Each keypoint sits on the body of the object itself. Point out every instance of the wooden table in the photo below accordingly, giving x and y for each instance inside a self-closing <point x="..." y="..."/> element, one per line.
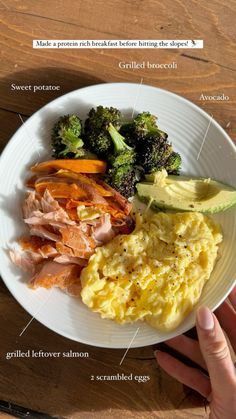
<point x="63" y="388"/>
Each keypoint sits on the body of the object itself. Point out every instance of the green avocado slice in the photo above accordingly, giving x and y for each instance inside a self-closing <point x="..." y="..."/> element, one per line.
<point x="187" y="194"/>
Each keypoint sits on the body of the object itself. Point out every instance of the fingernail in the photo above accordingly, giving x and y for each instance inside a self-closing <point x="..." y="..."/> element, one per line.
<point x="205" y="319"/>
<point x="156" y="352"/>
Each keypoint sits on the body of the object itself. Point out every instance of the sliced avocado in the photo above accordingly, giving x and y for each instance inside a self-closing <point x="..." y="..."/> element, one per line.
<point x="187" y="194"/>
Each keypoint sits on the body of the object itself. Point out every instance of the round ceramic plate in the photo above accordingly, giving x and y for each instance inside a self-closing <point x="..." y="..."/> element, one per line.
<point x="211" y="155"/>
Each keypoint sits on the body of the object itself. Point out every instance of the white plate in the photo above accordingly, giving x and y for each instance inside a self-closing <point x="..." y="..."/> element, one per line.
<point x="186" y="125"/>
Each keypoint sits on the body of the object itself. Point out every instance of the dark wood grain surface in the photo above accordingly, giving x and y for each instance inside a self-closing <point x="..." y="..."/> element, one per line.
<point x="63" y="387"/>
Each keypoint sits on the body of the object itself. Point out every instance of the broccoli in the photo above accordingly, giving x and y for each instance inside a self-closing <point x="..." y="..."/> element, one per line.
<point x="123" y="179"/>
<point x="66" y="138"/>
<point x="173" y="163"/>
<point x="153" y="153"/>
<point x="122" y="154"/>
<point x="143" y="124"/>
<point x="150" y="143"/>
<point x="96" y="134"/>
<point x="127" y="130"/>
<point x="122" y="174"/>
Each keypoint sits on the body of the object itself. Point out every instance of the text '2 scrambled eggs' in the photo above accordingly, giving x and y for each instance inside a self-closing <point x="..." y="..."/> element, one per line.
<point x="154" y="274"/>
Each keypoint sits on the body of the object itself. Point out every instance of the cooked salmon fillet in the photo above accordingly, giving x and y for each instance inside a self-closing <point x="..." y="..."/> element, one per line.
<point x="38" y="248"/>
<point x="61" y="241"/>
<point x="22" y="260"/>
<point x="81" y="243"/>
<point x="102" y="231"/>
<point x="56" y="274"/>
<point x="32" y="243"/>
<point x="44" y="232"/>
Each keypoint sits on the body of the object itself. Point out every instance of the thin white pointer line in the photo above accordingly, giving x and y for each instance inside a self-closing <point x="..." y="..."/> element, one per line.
<point x="137" y="97"/>
<point x="41" y="306"/>
<point x="129" y="345"/>
<point x="22" y="121"/>
<point x="204" y="138"/>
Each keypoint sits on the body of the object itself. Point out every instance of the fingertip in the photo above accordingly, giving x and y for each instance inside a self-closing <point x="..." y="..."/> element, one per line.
<point x="156" y="352"/>
<point x="204" y="318"/>
<point x="159" y="354"/>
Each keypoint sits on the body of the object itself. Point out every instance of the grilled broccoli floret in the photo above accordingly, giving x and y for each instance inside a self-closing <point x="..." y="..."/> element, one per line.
<point x="123" y="179"/>
<point x="127" y="130"/>
<point x="173" y="163"/>
<point x="97" y="136"/>
<point x="151" y="145"/>
<point x="153" y="153"/>
<point x="122" y="153"/>
<point x="144" y="124"/>
<point x="66" y="138"/>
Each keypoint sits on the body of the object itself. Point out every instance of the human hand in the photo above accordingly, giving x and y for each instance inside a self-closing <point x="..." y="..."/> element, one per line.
<point x="211" y="353"/>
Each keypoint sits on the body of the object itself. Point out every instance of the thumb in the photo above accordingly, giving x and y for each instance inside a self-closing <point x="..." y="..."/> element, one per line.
<point x="216" y="353"/>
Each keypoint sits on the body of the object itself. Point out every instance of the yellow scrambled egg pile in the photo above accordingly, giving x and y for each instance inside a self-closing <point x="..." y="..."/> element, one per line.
<point x="154" y="274"/>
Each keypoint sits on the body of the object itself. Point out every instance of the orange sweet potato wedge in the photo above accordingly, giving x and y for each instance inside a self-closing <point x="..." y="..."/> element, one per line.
<point x="61" y="190"/>
<point x="81" y="178"/>
<point x="78" y="166"/>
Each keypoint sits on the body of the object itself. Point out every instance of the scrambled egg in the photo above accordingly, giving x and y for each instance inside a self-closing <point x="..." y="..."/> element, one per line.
<point x="154" y="274"/>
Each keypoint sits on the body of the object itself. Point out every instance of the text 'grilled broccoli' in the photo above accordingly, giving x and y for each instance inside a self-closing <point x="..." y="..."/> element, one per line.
<point x="66" y="138"/>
